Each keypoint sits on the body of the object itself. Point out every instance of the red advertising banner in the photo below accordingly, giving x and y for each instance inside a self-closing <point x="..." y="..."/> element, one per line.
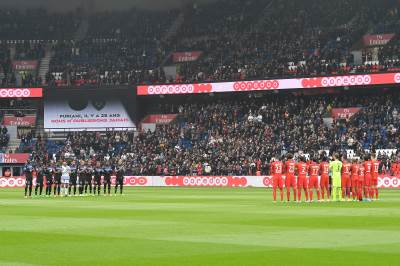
<point x="159" y="119"/>
<point x="389" y="182"/>
<point x="207" y="181"/>
<point x="130" y="181"/>
<point x="179" y="57"/>
<point x="344" y="113"/>
<point x="280" y="84"/>
<point x="14" y="158"/>
<point x="196" y="181"/>
<point x="21" y="93"/>
<point x="23" y="65"/>
<point x="12" y="182"/>
<point x="377" y="39"/>
<point x="26" y="121"/>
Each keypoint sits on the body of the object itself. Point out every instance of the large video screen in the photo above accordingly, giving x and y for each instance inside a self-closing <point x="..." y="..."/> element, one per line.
<point x="88" y="110"/>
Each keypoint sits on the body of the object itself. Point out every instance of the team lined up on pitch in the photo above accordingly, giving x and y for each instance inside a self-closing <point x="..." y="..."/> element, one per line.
<point x="63" y="179"/>
<point x="356" y="180"/>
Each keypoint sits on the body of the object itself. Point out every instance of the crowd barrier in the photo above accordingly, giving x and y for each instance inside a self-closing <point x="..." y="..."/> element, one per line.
<point x="195" y="181"/>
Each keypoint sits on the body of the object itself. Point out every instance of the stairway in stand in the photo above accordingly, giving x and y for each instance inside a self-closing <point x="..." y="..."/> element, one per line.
<point x="45" y="64"/>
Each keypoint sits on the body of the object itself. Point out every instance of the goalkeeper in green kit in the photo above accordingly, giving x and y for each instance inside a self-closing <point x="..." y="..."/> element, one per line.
<point x="336" y="169"/>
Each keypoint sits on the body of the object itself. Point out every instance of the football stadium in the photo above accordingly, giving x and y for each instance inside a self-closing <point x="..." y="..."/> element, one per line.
<point x="200" y="132"/>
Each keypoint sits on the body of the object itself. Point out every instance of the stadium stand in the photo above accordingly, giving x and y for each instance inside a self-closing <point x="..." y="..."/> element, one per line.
<point x="224" y="134"/>
<point x="257" y="39"/>
<point x="251" y="40"/>
<point x="295" y="38"/>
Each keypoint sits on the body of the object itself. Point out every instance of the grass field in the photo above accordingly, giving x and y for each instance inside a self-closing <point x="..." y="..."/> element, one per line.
<point x="197" y="226"/>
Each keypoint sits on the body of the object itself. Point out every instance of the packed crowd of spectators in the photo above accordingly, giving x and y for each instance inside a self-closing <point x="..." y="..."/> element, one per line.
<point x="238" y="135"/>
<point x="81" y="146"/>
<point x="88" y="145"/>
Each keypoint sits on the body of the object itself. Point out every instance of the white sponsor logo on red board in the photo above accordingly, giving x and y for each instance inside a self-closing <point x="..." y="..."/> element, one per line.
<point x="186" y="56"/>
<point x="377" y="39"/>
<point x="346" y="81"/>
<point x="201" y="181"/>
<point x="14" y="93"/>
<point x="28" y="120"/>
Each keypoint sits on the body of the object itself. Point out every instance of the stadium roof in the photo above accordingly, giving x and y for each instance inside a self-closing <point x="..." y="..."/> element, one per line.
<point x="99" y="5"/>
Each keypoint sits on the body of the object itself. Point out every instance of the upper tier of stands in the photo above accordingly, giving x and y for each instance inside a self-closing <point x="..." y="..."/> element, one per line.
<point x="239" y="40"/>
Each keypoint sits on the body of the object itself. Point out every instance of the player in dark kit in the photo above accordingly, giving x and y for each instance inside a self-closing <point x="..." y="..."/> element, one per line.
<point x="88" y="179"/>
<point x="39" y="180"/>
<point x="57" y="180"/>
<point x="28" y="179"/>
<point x="73" y="178"/>
<point x="107" y="172"/>
<point x="48" y="172"/>
<point x="119" y="172"/>
<point x="98" y="173"/>
<point x="81" y="177"/>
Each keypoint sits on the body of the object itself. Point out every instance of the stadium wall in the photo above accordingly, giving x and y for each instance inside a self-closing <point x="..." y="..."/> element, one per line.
<point x="195" y="181"/>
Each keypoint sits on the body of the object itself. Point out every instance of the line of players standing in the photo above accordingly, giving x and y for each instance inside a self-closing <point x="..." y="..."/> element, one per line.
<point x="63" y="179"/>
<point x="358" y="180"/>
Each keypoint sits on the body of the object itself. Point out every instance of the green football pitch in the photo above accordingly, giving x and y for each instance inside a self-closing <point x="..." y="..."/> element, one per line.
<point x="197" y="226"/>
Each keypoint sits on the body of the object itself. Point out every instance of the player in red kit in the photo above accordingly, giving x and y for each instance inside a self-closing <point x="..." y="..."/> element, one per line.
<point x="374" y="175"/>
<point x="354" y="178"/>
<point x="368" y="177"/>
<point x="361" y="175"/>
<point x="395" y="168"/>
<point x="313" y="182"/>
<point x="324" y="182"/>
<point x="346" y="181"/>
<point x="302" y="169"/>
<point x="277" y="181"/>
<point x="290" y="181"/>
